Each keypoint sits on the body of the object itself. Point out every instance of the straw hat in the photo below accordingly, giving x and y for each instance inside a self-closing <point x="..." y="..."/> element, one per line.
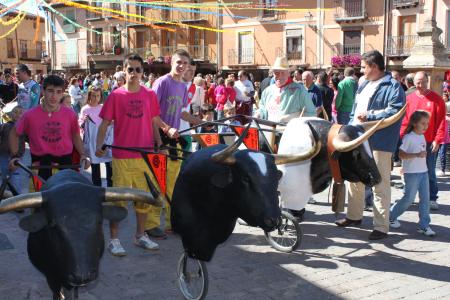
<point x="281" y="63"/>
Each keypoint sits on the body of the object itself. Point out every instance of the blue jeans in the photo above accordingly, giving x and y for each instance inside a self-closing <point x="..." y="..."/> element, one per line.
<point x="414" y="182"/>
<point x="431" y="165"/>
<point x="442" y="156"/>
<point x="19" y="178"/>
<point x="343" y="117"/>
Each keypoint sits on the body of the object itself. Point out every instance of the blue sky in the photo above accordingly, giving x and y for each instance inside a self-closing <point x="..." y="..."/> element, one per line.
<point x="29" y="6"/>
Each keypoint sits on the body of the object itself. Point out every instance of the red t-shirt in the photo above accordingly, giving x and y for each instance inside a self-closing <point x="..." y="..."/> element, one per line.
<point x="132" y="114"/>
<point x="432" y="103"/>
<point x="49" y="133"/>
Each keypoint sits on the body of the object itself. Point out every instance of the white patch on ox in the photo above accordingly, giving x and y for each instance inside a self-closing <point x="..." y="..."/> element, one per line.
<point x="260" y="160"/>
<point x="295" y="184"/>
<point x="367" y="146"/>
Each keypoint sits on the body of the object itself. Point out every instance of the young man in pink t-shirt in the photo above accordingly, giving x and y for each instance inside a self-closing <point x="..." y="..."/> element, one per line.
<point x="135" y="112"/>
<point x="52" y="130"/>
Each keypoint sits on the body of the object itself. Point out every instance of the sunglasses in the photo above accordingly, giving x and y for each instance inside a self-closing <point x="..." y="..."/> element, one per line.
<point x="137" y="69"/>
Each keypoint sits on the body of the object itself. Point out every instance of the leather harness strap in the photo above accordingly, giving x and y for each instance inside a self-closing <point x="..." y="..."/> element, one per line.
<point x="334" y="163"/>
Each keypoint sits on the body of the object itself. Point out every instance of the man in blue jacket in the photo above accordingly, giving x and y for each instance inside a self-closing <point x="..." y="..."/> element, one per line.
<point x="380" y="96"/>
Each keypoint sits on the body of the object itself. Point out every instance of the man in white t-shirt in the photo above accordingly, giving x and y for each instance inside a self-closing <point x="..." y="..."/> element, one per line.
<point x="379" y="97"/>
<point x="244" y="94"/>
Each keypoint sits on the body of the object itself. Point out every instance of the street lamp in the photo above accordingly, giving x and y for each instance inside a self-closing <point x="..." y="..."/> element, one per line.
<point x="309" y="18"/>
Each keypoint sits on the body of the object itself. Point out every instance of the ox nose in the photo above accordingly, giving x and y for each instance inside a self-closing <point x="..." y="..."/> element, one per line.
<point x="82" y="279"/>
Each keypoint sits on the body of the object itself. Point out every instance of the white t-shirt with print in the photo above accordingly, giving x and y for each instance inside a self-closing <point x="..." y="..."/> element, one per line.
<point x="362" y="99"/>
<point x="241" y="87"/>
<point x="414" y="143"/>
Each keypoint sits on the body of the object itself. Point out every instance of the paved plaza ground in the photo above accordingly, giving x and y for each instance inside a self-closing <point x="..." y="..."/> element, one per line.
<point x="332" y="263"/>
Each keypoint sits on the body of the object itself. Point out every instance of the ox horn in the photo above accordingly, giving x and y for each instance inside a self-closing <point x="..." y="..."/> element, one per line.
<point x="31" y="200"/>
<point x="342" y="145"/>
<point x="115" y="194"/>
<point x="226" y="155"/>
<point x="293" y="158"/>
<point x="387" y="122"/>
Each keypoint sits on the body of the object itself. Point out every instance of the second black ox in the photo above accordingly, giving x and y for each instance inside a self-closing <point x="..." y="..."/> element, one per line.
<point x="219" y="184"/>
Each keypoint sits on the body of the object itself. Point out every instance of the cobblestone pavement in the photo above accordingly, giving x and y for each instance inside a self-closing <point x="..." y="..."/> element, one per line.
<point x="332" y="263"/>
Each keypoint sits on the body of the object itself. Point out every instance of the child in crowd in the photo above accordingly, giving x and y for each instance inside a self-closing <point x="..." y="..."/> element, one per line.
<point x="66" y="101"/>
<point x="413" y="154"/>
<point x="18" y="177"/>
<point x="229" y="110"/>
<point x="89" y="120"/>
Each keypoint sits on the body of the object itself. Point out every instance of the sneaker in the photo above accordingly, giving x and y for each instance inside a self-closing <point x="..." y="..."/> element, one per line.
<point x="434" y="205"/>
<point x="368" y="208"/>
<point x="115" y="248"/>
<point x="397" y="163"/>
<point x="440" y="173"/>
<point x="145" y="242"/>
<point x="427" y="231"/>
<point x="312" y="201"/>
<point x="394" y="224"/>
<point x="156" y="233"/>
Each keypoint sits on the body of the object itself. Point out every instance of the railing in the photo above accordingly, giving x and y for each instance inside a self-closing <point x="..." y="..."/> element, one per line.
<point x="69" y="60"/>
<point x="241" y="56"/>
<point x="339" y="49"/>
<point x="346" y="10"/>
<point x="405" y="3"/>
<point x="190" y="15"/>
<point x="197" y="52"/>
<point x="297" y="55"/>
<point x="30" y="54"/>
<point x="400" y="45"/>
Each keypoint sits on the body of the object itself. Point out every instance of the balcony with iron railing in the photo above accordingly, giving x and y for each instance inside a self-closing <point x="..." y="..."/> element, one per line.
<point x="400" y="46"/>
<point x="69" y="60"/>
<point x="242" y="56"/>
<point x="30" y="54"/>
<point x="197" y="52"/>
<point x="191" y="16"/>
<point x="350" y="10"/>
<point x="346" y="49"/>
<point x="405" y="3"/>
<point x="294" y="57"/>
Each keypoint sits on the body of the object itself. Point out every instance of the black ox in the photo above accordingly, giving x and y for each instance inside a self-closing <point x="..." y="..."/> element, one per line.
<point x="65" y="240"/>
<point x="350" y="149"/>
<point x="216" y="185"/>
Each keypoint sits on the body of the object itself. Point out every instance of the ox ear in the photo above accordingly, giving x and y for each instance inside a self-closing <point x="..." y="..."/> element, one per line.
<point x="222" y="179"/>
<point x="33" y="222"/>
<point x="114" y="213"/>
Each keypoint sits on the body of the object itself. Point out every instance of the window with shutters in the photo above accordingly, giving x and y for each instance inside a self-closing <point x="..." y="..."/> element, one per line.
<point x="267" y="5"/>
<point x="10" y="48"/>
<point x="294" y="44"/>
<point x="352" y="42"/>
<point x="23" y="49"/>
<point x="246" y="49"/>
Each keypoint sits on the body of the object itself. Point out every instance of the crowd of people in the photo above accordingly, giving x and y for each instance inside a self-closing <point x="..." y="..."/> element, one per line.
<point x="55" y="120"/>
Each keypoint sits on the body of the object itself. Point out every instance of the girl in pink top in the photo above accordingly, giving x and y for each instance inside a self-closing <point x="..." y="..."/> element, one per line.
<point x="224" y="93"/>
<point x="89" y="120"/>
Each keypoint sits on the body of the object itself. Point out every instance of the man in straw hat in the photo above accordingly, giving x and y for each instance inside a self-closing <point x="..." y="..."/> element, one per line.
<point x="285" y="99"/>
<point x="379" y="96"/>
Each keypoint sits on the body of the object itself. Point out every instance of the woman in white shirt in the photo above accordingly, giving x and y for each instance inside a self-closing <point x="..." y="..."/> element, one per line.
<point x="199" y="96"/>
<point x="75" y="95"/>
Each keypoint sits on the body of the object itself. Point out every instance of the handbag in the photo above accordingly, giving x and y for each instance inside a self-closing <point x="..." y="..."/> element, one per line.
<point x="338" y="197"/>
